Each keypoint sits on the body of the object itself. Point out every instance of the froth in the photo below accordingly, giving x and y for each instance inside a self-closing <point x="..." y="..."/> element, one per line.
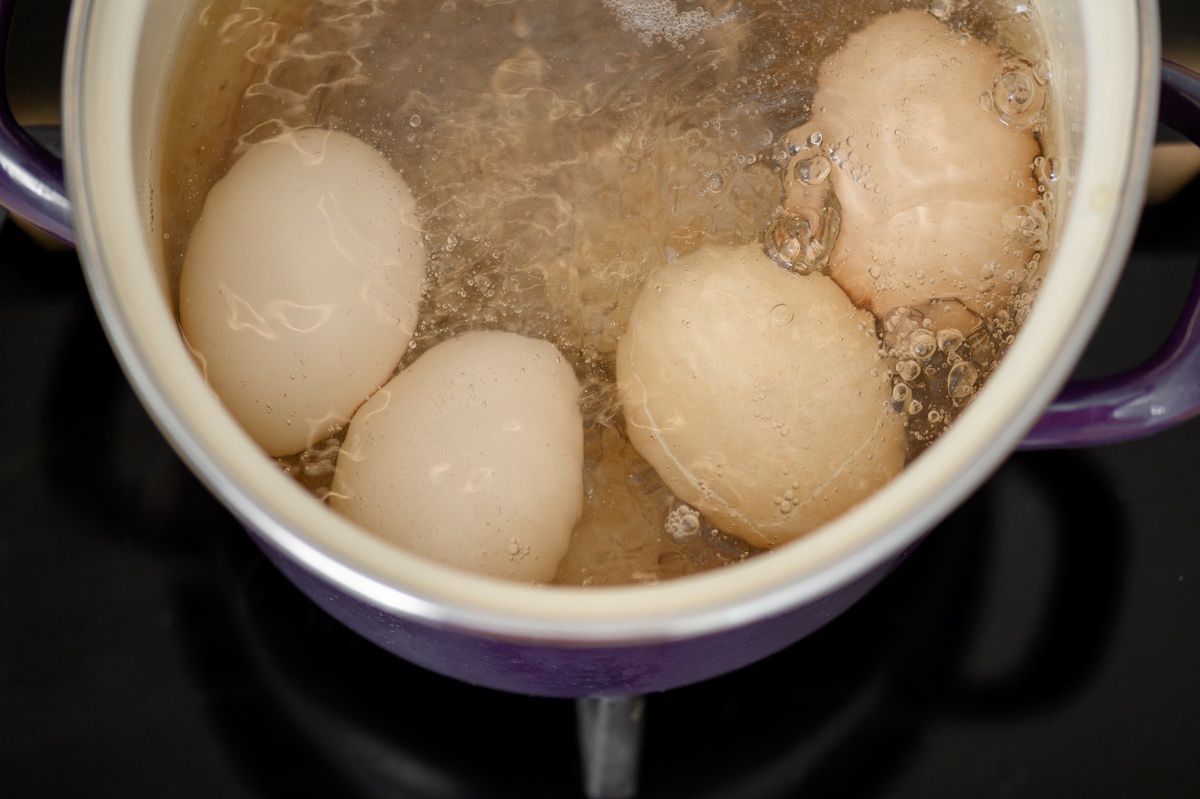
<point x="662" y="19"/>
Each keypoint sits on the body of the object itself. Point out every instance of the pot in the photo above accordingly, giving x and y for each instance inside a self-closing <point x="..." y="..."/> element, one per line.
<point x="561" y="641"/>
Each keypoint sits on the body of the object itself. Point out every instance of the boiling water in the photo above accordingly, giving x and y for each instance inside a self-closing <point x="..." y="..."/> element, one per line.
<point x="560" y="151"/>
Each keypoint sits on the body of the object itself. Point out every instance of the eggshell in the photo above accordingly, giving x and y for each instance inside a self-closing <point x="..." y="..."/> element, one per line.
<point x="473" y="456"/>
<point x="923" y="171"/>
<point x="301" y="283"/>
<point x="757" y="395"/>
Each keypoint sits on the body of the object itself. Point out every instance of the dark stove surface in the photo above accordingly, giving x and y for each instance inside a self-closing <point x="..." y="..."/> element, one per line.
<point x="1044" y="642"/>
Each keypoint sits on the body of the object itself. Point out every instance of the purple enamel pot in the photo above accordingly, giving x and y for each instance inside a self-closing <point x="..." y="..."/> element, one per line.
<point x="574" y="642"/>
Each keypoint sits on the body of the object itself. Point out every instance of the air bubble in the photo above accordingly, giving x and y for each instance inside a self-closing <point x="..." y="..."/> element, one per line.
<point x="1042" y="71"/>
<point x="1045" y="170"/>
<point x="961" y="381"/>
<point x="782" y="315"/>
<point x="812" y="171"/>
<point x="923" y="345"/>
<point x="802" y="240"/>
<point x="1016" y="96"/>
<point x="899" y="325"/>
<point x="683" y="522"/>
<point x="908" y="370"/>
<point x="950" y="339"/>
<point x="942" y="9"/>
<point x="1029" y="225"/>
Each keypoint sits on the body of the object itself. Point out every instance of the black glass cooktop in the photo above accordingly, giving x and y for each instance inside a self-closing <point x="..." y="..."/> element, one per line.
<point x="1044" y="642"/>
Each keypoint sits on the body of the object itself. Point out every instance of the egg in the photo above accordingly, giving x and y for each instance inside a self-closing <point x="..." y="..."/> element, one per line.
<point x="925" y="170"/>
<point x="756" y="394"/>
<point x="472" y="455"/>
<point x="301" y="283"/>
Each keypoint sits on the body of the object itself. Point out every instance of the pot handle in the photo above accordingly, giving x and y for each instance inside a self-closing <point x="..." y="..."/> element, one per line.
<point x="31" y="177"/>
<point x="1164" y="391"/>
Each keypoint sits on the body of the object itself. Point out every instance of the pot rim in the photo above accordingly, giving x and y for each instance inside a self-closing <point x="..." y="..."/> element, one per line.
<point x="119" y="265"/>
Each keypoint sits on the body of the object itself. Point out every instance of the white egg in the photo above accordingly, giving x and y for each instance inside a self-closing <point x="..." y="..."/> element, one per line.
<point x="924" y="172"/>
<point x="301" y="283"/>
<point x="472" y="455"/>
<point x="756" y="394"/>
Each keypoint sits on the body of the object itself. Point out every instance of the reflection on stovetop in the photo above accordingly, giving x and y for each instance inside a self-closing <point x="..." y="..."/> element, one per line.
<point x="840" y="713"/>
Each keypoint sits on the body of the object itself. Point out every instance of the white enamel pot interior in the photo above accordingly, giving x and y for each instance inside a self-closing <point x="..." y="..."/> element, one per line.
<point x="120" y="54"/>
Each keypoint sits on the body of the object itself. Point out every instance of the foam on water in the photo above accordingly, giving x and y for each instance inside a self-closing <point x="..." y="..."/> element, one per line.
<point x="662" y="19"/>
